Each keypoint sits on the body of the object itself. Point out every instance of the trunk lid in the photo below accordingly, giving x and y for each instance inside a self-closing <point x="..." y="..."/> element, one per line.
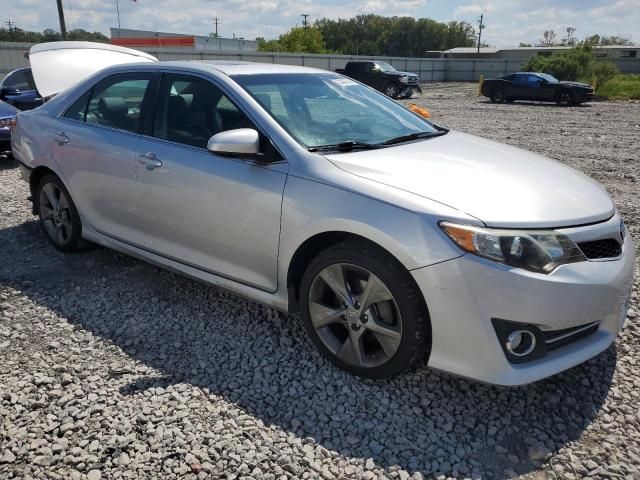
<point x="57" y="66"/>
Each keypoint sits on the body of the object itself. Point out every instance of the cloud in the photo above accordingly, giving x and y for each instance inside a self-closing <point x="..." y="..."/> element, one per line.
<point x="507" y="23"/>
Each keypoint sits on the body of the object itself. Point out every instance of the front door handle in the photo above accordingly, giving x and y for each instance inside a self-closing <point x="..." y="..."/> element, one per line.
<point x="149" y="160"/>
<point x="61" y="138"/>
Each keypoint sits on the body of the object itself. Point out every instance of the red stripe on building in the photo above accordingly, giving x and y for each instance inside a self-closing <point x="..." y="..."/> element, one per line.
<point x="154" y="41"/>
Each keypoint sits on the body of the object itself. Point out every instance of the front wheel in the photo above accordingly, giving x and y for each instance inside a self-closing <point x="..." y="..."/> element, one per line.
<point x="391" y="90"/>
<point x="364" y="311"/>
<point x="497" y="95"/>
<point x="564" y="98"/>
<point x="58" y="215"/>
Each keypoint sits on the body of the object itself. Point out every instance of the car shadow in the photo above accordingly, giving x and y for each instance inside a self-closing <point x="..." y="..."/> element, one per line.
<point x="195" y="334"/>
<point x="536" y="104"/>
<point x="7" y="162"/>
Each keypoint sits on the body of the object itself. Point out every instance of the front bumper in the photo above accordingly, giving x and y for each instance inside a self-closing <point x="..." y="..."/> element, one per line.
<point x="464" y="295"/>
<point x="407" y="90"/>
<point x="585" y="97"/>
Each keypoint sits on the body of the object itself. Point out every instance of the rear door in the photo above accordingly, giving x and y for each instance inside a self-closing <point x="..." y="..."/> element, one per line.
<point x="94" y="144"/>
<point x="218" y="214"/>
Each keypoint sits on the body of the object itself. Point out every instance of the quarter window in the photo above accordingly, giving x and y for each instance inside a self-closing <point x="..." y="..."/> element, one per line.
<point x="116" y="102"/>
<point x="190" y="110"/>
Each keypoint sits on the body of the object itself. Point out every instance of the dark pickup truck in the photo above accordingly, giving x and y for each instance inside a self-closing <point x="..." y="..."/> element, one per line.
<point x="383" y="77"/>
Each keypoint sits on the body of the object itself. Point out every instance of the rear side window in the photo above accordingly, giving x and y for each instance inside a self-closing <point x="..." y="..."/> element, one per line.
<point x="116" y="102"/>
<point x="78" y="110"/>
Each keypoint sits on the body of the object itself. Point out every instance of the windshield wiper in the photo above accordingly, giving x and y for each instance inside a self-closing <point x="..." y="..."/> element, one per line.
<point x="344" y="146"/>
<point x="413" y="136"/>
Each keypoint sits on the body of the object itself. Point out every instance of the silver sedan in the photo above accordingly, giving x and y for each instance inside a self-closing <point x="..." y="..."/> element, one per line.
<point x="399" y="241"/>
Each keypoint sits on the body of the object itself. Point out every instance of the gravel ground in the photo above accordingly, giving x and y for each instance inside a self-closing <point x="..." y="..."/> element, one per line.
<point x="112" y="368"/>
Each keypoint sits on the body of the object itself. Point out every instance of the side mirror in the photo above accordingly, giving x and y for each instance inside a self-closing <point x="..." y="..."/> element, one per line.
<point x="239" y="142"/>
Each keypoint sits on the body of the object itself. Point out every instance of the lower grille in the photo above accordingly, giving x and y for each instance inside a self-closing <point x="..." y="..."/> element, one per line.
<point x="558" y="338"/>
<point x="607" y="248"/>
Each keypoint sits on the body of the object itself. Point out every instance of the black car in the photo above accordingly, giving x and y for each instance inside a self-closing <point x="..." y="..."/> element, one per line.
<point x="383" y="77"/>
<point x="19" y="89"/>
<point x="536" y="86"/>
<point x="7" y="116"/>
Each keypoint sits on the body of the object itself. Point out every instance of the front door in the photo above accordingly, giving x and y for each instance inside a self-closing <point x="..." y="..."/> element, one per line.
<point x="95" y="147"/>
<point x="215" y="213"/>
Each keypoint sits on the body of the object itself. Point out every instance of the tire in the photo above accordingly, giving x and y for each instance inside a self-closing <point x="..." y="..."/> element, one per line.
<point x="379" y="339"/>
<point x="497" y="95"/>
<point x="58" y="214"/>
<point x="565" y="98"/>
<point x="391" y="90"/>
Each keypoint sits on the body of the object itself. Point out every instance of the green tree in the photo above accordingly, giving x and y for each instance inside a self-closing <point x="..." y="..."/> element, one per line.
<point x="575" y="64"/>
<point x="296" y="40"/>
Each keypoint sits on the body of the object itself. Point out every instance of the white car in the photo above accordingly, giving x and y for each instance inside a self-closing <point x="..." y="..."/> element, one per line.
<point x="398" y="240"/>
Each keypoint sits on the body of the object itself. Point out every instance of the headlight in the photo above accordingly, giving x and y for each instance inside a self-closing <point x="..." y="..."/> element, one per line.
<point x="404" y="79"/>
<point x="535" y="250"/>
<point x="5" y="122"/>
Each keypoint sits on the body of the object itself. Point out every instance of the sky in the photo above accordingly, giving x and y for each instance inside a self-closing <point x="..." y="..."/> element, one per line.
<point x="508" y="22"/>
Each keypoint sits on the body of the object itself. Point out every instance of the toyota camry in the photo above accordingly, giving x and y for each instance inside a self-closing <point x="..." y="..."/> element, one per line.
<point x="398" y="241"/>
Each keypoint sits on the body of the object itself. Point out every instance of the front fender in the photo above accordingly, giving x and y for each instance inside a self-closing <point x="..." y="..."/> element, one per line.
<point x="310" y="208"/>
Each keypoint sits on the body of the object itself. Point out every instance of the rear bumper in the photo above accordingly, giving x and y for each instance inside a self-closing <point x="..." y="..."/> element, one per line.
<point x="464" y="295"/>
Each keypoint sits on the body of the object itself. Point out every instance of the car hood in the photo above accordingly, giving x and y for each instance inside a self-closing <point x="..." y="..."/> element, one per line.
<point x="575" y="84"/>
<point x="57" y="66"/>
<point x="400" y="74"/>
<point x="500" y="185"/>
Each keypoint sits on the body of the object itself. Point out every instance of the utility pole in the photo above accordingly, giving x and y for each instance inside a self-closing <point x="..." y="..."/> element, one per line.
<point x="118" y="14"/>
<point x="480" y="30"/>
<point x="304" y="21"/>
<point x="216" y="21"/>
<point x="63" y="27"/>
<point x="11" y="26"/>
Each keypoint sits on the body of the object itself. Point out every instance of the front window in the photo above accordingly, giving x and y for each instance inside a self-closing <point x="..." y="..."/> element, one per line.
<point x="20" y="79"/>
<point x="327" y="109"/>
<point x="385" y="67"/>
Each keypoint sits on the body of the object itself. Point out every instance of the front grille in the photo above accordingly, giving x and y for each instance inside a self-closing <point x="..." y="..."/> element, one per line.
<point x="607" y="248"/>
<point x="558" y="338"/>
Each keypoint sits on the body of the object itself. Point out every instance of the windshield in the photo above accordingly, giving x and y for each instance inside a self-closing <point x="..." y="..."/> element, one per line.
<point x="328" y="109"/>
<point x="549" y="78"/>
<point x="385" y="67"/>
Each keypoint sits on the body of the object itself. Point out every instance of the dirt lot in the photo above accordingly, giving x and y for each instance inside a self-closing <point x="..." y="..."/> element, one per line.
<point x="112" y="368"/>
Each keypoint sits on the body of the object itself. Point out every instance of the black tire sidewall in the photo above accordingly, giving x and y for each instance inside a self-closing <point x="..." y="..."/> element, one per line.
<point x="76" y="226"/>
<point x="493" y="95"/>
<point x="414" y="336"/>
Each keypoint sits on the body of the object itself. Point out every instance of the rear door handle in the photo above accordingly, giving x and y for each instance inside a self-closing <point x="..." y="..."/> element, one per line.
<point x="149" y="160"/>
<point x="61" y="138"/>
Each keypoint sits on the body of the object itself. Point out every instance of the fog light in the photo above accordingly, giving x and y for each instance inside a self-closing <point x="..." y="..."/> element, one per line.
<point x="520" y="343"/>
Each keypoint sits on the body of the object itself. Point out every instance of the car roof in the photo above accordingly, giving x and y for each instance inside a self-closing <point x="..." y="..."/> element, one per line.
<point x="233" y="67"/>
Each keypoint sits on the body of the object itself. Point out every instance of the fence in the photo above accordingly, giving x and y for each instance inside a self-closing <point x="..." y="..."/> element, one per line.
<point x="429" y="69"/>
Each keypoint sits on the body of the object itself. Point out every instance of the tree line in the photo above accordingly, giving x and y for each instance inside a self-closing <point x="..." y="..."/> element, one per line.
<point x="15" y="34"/>
<point x="374" y="35"/>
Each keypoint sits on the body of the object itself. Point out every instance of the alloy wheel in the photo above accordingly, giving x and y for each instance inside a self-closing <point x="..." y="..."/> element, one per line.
<point x="391" y="91"/>
<point x="355" y="315"/>
<point x="564" y="99"/>
<point x="55" y="213"/>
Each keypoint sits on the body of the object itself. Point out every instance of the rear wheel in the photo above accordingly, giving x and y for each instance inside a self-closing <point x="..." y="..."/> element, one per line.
<point x="497" y="95"/>
<point x="363" y="311"/>
<point x="58" y="215"/>
<point x="564" y="98"/>
<point x="391" y="90"/>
